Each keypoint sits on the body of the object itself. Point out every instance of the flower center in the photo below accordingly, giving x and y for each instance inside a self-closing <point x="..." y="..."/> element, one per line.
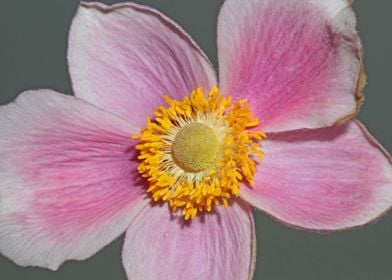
<point x="195" y="147"/>
<point x="197" y="152"/>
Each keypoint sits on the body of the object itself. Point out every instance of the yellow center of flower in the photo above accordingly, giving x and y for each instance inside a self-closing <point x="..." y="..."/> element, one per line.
<point x="197" y="152"/>
<point x="195" y="147"/>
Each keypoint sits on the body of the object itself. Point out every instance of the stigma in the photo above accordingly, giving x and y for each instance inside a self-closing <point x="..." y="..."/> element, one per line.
<point x="195" y="147"/>
<point x="197" y="152"/>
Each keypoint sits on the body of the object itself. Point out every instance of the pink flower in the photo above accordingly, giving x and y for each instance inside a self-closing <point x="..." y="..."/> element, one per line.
<point x="73" y="179"/>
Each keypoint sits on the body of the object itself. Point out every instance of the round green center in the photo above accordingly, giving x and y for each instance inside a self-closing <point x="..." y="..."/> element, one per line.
<point x="195" y="147"/>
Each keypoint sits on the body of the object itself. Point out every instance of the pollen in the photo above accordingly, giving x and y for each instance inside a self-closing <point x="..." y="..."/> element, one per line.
<point x="197" y="152"/>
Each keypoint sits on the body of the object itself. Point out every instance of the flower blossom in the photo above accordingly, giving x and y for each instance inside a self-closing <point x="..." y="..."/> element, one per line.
<point x="154" y="146"/>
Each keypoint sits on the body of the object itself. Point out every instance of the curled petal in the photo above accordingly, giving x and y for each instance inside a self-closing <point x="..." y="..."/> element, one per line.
<point x="297" y="61"/>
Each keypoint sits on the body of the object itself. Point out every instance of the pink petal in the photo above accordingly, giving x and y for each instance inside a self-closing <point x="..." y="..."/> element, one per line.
<point x="297" y="61"/>
<point x="68" y="183"/>
<point x="214" y="246"/>
<point x="325" y="179"/>
<point x="126" y="57"/>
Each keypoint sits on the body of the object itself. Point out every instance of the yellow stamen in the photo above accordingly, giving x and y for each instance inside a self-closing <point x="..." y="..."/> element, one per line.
<point x="196" y="152"/>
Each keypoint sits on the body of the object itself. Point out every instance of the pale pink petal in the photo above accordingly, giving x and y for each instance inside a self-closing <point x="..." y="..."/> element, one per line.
<point x="324" y="179"/>
<point x="126" y="57"/>
<point x="213" y="246"/>
<point x="297" y="61"/>
<point x="68" y="182"/>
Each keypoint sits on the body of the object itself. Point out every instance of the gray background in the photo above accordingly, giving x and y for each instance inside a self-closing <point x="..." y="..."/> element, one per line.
<point x="33" y="55"/>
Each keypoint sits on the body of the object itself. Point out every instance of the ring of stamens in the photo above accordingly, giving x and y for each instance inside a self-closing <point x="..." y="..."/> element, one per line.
<point x="196" y="152"/>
